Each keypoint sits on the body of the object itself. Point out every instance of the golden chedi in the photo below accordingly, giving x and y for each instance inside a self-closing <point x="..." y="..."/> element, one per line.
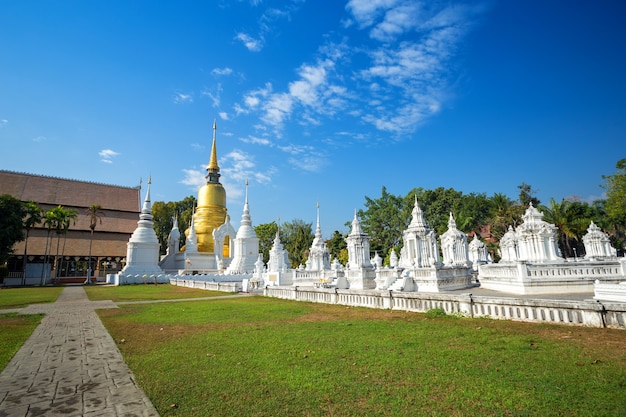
<point x="211" y="210"/>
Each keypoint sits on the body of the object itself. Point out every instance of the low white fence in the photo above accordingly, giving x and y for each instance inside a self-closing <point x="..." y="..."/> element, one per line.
<point x="589" y="313"/>
<point x="231" y="286"/>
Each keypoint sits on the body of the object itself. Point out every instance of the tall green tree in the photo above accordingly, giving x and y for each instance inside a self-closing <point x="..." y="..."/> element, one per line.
<point x="526" y="196"/>
<point x="266" y="232"/>
<point x="615" y="206"/>
<point x="297" y="237"/>
<point x="68" y="219"/>
<point x="51" y="221"/>
<point x="502" y="213"/>
<point x="163" y="215"/>
<point x="95" y="214"/>
<point x="65" y="218"/>
<point x="566" y="216"/>
<point x="12" y="213"/>
<point x="336" y="244"/>
<point x="33" y="216"/>
<point x="384" y="219"/>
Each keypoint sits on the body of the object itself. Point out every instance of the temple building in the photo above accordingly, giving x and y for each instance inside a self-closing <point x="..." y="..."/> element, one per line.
<point x="120" y="207"/>
<point x="532" y="264"/>
<point x="210" y="235"/>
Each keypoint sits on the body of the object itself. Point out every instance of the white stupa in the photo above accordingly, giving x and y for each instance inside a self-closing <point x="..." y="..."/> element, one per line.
<point x="246" y="244"/>
<point x="319" y="257"/>
<point x="454" y="246"/>
<point x="142" y="256"/>
<point x="360" y="273"/>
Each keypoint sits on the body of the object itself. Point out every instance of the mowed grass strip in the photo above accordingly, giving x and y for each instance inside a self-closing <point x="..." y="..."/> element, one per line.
<point x="23" y="296"/>
<point x="144" y="292"/>
<point x="269" y="357"/>
<point x="14" y="330"/>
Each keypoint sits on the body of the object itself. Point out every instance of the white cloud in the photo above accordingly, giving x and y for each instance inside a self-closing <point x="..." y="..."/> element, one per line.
<point x="40" y="139"/>
<point x="107" y="155"/>
<point x="215" y="97"/>
<point x="393" y="85"/>
<point x="254" y="45"/>
<point x="223" y="115"/>
<point x="194" y="178"/>
<point x="257" y="141"/>
<point x="310" y="163"/>
<point x="366" y="11"/>
<point x="3" y="123"/>
<point x="183" y="98"/>
<point x="222" y="71"/>
<point x="397" y="21"/>
<point x="197" y="146"/>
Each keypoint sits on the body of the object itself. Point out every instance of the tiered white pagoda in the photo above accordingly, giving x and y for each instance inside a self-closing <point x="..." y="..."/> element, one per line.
<point x="532" y="264"/>
<point x="420" y="248"/>
<point x="246" y="244"/>
<point x="419" y="268"/>
<point x="454" y="246"/>
<point x="478" y="253"/>
<point x="278" y="266"/>
<point x="142" y="254"/>
<point x="597" y="244"/>
<point x="317" y="269"/>
<point x="360" y="272"/>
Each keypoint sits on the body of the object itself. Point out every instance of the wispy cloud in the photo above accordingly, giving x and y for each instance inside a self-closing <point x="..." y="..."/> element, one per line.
<point x="403" y="81"/>
<point x="194" y="178"/>
<point x="40" y="139"/>
<point x="214" y="96"/>
<point x="253" y="44"/>
<point x="223" y="115"/>
<point x="222" y="71"/>
<point x="3" y="123"/>
<point x="180" y="98"/>
<point x="107" y="155"/>
<point x="266" y="23"/>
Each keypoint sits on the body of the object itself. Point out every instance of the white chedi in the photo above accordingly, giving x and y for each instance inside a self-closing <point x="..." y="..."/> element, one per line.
<point x="358" y="245"/>
<point x="537" y="240"/>
<point x="279" y="256"/>
<point x="597" y="244"/>
<point x="478" y="252"/>
<point x="246" y="244"/>
<point x="454" y="246"/>
<point x="319" y="257"/>
<point x="420" y="248"/>
<point x="142" y="255"/>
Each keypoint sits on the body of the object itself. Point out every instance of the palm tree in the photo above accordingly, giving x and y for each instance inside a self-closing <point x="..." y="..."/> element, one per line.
<point x="95" y="214"/>
<point x="34" y="215"/>
<point x="568" y="222"/>
<point x="51" y="221"/>
<point x="69" y="216"/>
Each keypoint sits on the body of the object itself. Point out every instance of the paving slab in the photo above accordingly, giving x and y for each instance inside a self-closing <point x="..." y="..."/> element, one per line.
<point x="70" y="366"/>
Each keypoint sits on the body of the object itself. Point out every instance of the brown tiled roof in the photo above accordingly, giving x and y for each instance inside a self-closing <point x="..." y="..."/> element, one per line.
<point x="68" y="193"/>
<point x="120" y="205"/>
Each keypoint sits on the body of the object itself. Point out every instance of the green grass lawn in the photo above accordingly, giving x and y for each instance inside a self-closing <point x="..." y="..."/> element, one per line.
<point x="146" y="292"/>
<point x="23" y="296"/>
<point x="14" y="330"/>
<point x="270" y="357"/>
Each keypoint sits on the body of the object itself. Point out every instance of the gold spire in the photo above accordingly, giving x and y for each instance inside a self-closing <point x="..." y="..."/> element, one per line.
<point x="213" y="166"/>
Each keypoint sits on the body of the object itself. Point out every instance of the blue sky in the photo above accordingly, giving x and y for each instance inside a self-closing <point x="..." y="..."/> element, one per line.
<point x="316" y="101"/>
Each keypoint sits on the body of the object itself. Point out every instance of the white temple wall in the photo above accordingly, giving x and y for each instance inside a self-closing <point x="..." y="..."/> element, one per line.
<point x="579" y="313"/>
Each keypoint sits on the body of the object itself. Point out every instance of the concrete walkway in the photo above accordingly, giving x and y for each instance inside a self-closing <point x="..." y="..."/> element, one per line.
<point x="70" y="366"/>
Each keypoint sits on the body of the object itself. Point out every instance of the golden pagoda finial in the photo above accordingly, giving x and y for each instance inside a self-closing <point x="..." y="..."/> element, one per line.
<point x="213" y="168"/>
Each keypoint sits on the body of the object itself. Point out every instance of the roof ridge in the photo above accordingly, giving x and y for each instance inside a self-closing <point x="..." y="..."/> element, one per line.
<point x="70" y="179"/>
